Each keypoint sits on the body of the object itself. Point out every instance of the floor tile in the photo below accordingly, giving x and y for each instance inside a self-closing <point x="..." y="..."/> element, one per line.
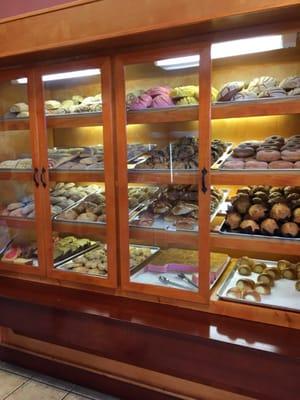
<point x="92" y="394"/>
<point x="72" y="396"/>
<point x="58" y="383"/>
<point x="15" y="369"/>
<point x="10" y="382"/>
<point x="37" y="391"/>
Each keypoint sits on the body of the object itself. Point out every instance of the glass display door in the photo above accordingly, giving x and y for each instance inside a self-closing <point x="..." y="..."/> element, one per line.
<point x="79" y="172"/>
<point x="164" y="161"/>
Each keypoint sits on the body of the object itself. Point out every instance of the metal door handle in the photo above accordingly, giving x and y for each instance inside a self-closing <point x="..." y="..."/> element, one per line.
<point x="43" y="177"/>
<point x="35" y="177"/>
<point x="204" y="173"/>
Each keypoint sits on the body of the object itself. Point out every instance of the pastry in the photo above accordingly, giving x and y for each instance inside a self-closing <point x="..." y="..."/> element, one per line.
<point x="185" y="91"/>
<point x="52" y="104"/>
<point x="23" y="114"/>
<point x="229" y="90"/>
<point x="251" y="295"/>
<point x="291" y="154"/>
<point x="241" y="203"/>
<point x="280" y="212"/>
<point x="273" y="272"/>
<point x="269" y="226"/>
<point x="19" y="107"/>
<point x="265" y="278"/>
<point x="234" y="164"/>
<point x="291" y="82"/>
<point x="273" y="92"/>
<point x="158" y="90"/>
<point x="162" y="100"/>
<point x="289" y="273"/>
<point x="257" y="212"/>
<point x="244" y="95"/>
<point x="243" y="151"/>
<point x="234" y="292"/>
<point x="297" y="286"/>
<point x="268" y="155"/>
<point x="245" y="261"/>
<point x="244" y="269"/>
<point x="259" y="267"/>
<point x="294" y="92"/>
<point x="283" y="264"/>
<point x="233" y="220"/>
<point x="281" y="164"/>
<point x="262" y="288"/>
<point x="245" y="284"/>
<point x="262" y="83"/>
<point x="253" y="164"/>
<point x="296" y="215"/>
<point x="249" y="226"/>
<point x="290" y="229"/>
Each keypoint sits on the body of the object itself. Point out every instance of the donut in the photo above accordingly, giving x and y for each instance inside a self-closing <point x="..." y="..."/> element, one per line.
<point x="297" y="164"/>
<point x="295" y="137"/>
<point x="234" y="164"/>
<point x="243" y="151"/>
<point x="268" y="155"/>
<point x="256" y="165"/>
<point x="281" y="164"/>
<point x="277" y="138"/>
<point x="291" y="154"/>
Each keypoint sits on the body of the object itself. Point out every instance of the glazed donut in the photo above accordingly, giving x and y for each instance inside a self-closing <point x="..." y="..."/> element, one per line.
<point x="291" y="154"/>
<point x="234" y="164"/>
<point x="256" y="165"/>
<point x="281" y="164"/>
<point x="243" y="151"/>
<point x="276" y="138"/>
<point x="274" y="143"/>
<point x="253" y="143"/>
<point x="292" y="146"/>
<point x="268" y="155"/>
<point x="295" y="137"/>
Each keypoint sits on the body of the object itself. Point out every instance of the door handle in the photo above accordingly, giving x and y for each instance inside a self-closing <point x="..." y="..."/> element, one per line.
<point x="35" y="177"/>
<point x="204" y="173"/>
<point x="43" y="177"/>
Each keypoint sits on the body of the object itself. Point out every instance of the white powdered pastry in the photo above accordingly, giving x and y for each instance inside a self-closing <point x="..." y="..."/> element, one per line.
<point x="273" y="92"/>
<point x="291" y="82"/>
<point x="262" y="83"/>
<point x="19" y="107"/>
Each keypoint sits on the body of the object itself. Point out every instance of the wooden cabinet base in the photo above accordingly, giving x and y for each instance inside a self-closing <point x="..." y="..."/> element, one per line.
<point x="250" y="359"/>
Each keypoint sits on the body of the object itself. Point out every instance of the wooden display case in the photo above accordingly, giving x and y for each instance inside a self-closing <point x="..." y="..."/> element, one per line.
<point x="115" y="127"/>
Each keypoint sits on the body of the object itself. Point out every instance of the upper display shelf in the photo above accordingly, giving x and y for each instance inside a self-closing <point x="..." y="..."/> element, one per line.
<point x="259" y="107"/>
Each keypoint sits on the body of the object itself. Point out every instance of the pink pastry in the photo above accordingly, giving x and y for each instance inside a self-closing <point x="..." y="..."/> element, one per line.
<point x="297" y="164"/>
<point x="256" y="165"/>
<point x="280" y="164"/>
<point x="163" y="100"/>
<point x="234" y="164"/>
<point x="158" y="90"/>
<point x="143" y="101"/>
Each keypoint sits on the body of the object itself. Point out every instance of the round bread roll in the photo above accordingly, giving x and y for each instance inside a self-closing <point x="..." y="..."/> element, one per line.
<point x="233" y="220"/>
<point x="230" y="89"/>
<point x="249" y="225"/>
<point x="257" y="211"/>
<point x="290" y="229"/>
<point x="280" y="212"/>
<point x="269" y="226"/>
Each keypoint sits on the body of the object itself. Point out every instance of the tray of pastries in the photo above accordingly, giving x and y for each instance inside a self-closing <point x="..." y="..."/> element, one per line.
<point x="259" y="88"/>
<point x="275" y="152"/>
<point x="91" y="209"/>
<point x="68" y="247"/>
<point x="264" y="283"/>
<point x="264" y="211"/>
<point x="62" y="196"/>
<point x="164" y="97"/>
<point x="20" y="252"/>
<point x="94" y="262"/>
<point x="76" y="104"/>
<point x="181" y="154"/>
<point x="176" y="208"/>
<point x="182" y="273"/>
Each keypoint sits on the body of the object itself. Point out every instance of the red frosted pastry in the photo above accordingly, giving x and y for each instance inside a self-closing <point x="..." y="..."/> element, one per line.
<point x="256" y="164"/>
<point x="234" y="164"/>
<point x="143" y="101"/>
<point x="163" y="100"/>
<point x="158" y="90"/>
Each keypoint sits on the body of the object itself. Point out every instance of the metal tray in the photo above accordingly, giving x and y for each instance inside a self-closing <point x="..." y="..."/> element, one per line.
<point x="154" y="250"/>
<point x="222" y="229"/>
<point x="283" y="294"/>
<point x="76" y="254"/>
<point x="215" y="165"/>
<point x="159" y="223"/>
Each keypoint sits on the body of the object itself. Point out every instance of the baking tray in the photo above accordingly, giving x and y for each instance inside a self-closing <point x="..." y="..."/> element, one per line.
<point x="222" y="229"/>
<point x="154" y="250"/>
<point x="215" y="165"/>
<point x="159" y="223"/>
<point x="283" y="294"/>
<point x="76" y="254"/>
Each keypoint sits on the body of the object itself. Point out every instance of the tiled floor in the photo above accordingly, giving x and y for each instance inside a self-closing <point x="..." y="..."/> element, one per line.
<point x="21" y="384"/>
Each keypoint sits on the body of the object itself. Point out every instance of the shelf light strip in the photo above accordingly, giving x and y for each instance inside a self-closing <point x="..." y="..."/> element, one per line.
<point x="64" y="75"/>
<point x="232" y="48"/>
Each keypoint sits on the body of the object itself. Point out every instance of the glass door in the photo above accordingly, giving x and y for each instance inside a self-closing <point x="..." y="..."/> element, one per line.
<point x="80" y="172"/>
<point x="21" y="242"/>
<point x="164" y="162"/>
